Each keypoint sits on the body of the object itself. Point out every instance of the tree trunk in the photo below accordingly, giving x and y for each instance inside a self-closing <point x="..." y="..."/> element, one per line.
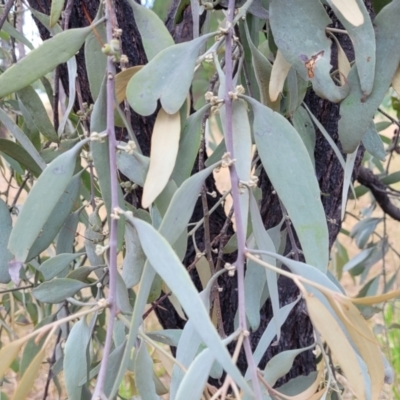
<point x="297" y="331"/>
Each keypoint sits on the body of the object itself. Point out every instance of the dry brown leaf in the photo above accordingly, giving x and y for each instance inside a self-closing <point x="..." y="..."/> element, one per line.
<point x="8" y="354"/>
<point x="367" y="301"/>
<point x="331" y="331"/>
<point x="279" y="72"/>
<point x="343" y="62"/>
<point x="163" y="152"/>
<point x="121" y="82"/>
<point x="350" y="10"/>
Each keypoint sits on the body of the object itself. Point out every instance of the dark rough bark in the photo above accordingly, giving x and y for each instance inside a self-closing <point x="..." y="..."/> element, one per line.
<point x="297" y="331"/>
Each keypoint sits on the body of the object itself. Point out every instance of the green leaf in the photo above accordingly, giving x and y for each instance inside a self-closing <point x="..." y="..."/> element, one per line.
<point x="56" y="218"/>
<point x="363" y="230"/>
<point x="363" y="40"/>
<point x="75" y="359"/>
<point x="167" y="265"/>
<point x="352" y="130"/>
<point x="66" y="236"/>
<point x="55" y="51"/>
<point x="170" y="337"/>
<point x="189" y="145"/>
<point x="305" y="128"/>
<point x="41" y="201"/>
<point x="134" y="166"/>
<point x="7" y="27"/>
<point x="55" y="11"/>
<point x="81" y="273"/>
<point x="304" y="40"/>
<point x="373" y="143"/>
<point x="379" y="4"/>
<point x="54" y="265"/>
<point x="123" y="303"/>
<point x="19" y="154"/>
<point x="143" y="374"/>
<point x="153" y="32"/>
<point x="294" y="180"/>
<point x="5" y="255"/>
<point x="348" y="172"/>
<point x="95" y="59"/>
<point x="167" y="77"/>
<point x="20" y="136"/>
<point x="281" y="364"/>
<point x="57" y="290"/>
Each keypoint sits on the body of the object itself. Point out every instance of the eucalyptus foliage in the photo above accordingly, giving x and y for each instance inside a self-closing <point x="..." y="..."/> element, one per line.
<point x="98" y="229"/>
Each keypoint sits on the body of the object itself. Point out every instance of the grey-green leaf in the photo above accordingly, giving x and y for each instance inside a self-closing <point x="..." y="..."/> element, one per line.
<point x="352" y="130"/>
<point x="373" y="143"/>
<point x="57" y="290"/>
<point x="5" y="255"/>
<point x="294" y="180"/>
<point x="75" y="359"/>
<point x="54" y="265"/>
<point x="167" y="77"/>
<point x="134" y="166"/>
<point x="55" y="51"/>
<point x="305" y="128"/>
<point x="167" y="265"/>
<point x="55" y="11"/>
<point x="304" y="40"/>
<point x="41" y="201"/>
<point x="153" y="32"/>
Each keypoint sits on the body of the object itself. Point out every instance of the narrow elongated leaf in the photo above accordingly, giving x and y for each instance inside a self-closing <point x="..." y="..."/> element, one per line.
<point x="18" y="153"/>
<point x="55" y="51"/>
<point x="27" y="382"/>
<point x="281" y="364"/>
<point x="55" y="11"/>
<point x="164" y="149"/>
<point x="95" y="59"/>
<point x="66" y="236"/>
<point x="305" y="128"/>
<point x="364" y="49"/>
<point x="75" y="358"/>
<point x="53" y="266"/>
<point x="363" y="230"/>
<point x="7" y="27"/>
<point x="189" y="144"/>
<point x="305" y="45"/>
<point x="373" y="143"/>
<point x="56" y="218"/>
<point x="41" y="201"/>
<point x="22" y="139"/>
<point x="8" y="353"/>
<point x="57" y="290"/>
<point x="5" y="255"/>
<point x="348" y="172"/>
<point x="167" y="77"/>
<point x="34" y="106"/>
<point x="153" y="32"/>
<point x="143" y="373"/>
<point x="166" y="263"/>
<point x="279" y="72"/>
<point x="351" y="132"/>
<point x="350" y="9"/>
<point x="342" y="350"/>
<point x="294" y="180"/>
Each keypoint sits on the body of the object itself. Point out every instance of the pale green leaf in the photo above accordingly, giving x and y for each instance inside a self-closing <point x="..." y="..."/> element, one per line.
<point x="123" y="303"/>
<point x="7" y="27"/>
<point x="305" y="128"/>
<point x="41" y="201"/>
<point x="170" y="337"/>
<point x="75" y="358"/>
<point x="55" y="51"/>
<point x="363" y="229"/>
<point x="54" y="265"/>
<point x="373" y="143"/>
<point x="134" y="166"/>
<point x="294" y="180"/>
<point x="167" y="77"/>
<point x="153" y="32"/>
<point x="305" y="45"/>
<point x="67" y="234"/>
<point x="352" y="130"/>
<point x="57" y="290"/>
<point x="22" y="139"/>
<point x="348" y="172"/>
<point x="168" y="266"/>
<point x="362" y="37"/>
<point x="55" y="11"/>
<point x="5" y="255"/>
<point x="56" y="218"/>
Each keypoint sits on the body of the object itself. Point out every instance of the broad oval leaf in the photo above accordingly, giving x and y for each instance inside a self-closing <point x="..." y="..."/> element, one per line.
<point x="41" y="201"/>
<point x="164" y="149"/>
<point x="154" y="34"/>
<point x="167" y="265"/>
<point x="350" y="9"/>
<point x="305" y="45"/>
<point x="294" y="180"/>
<point x="57" y="290"/>
<point x="55" y="51"/>
<point x="167" y="77"/>
<point x="5" y="255"/>
<point x="134" y="166"/>
<point x="352" y="130"/>
<point x="54" y="265"/>
<point x="75" y="358"/>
